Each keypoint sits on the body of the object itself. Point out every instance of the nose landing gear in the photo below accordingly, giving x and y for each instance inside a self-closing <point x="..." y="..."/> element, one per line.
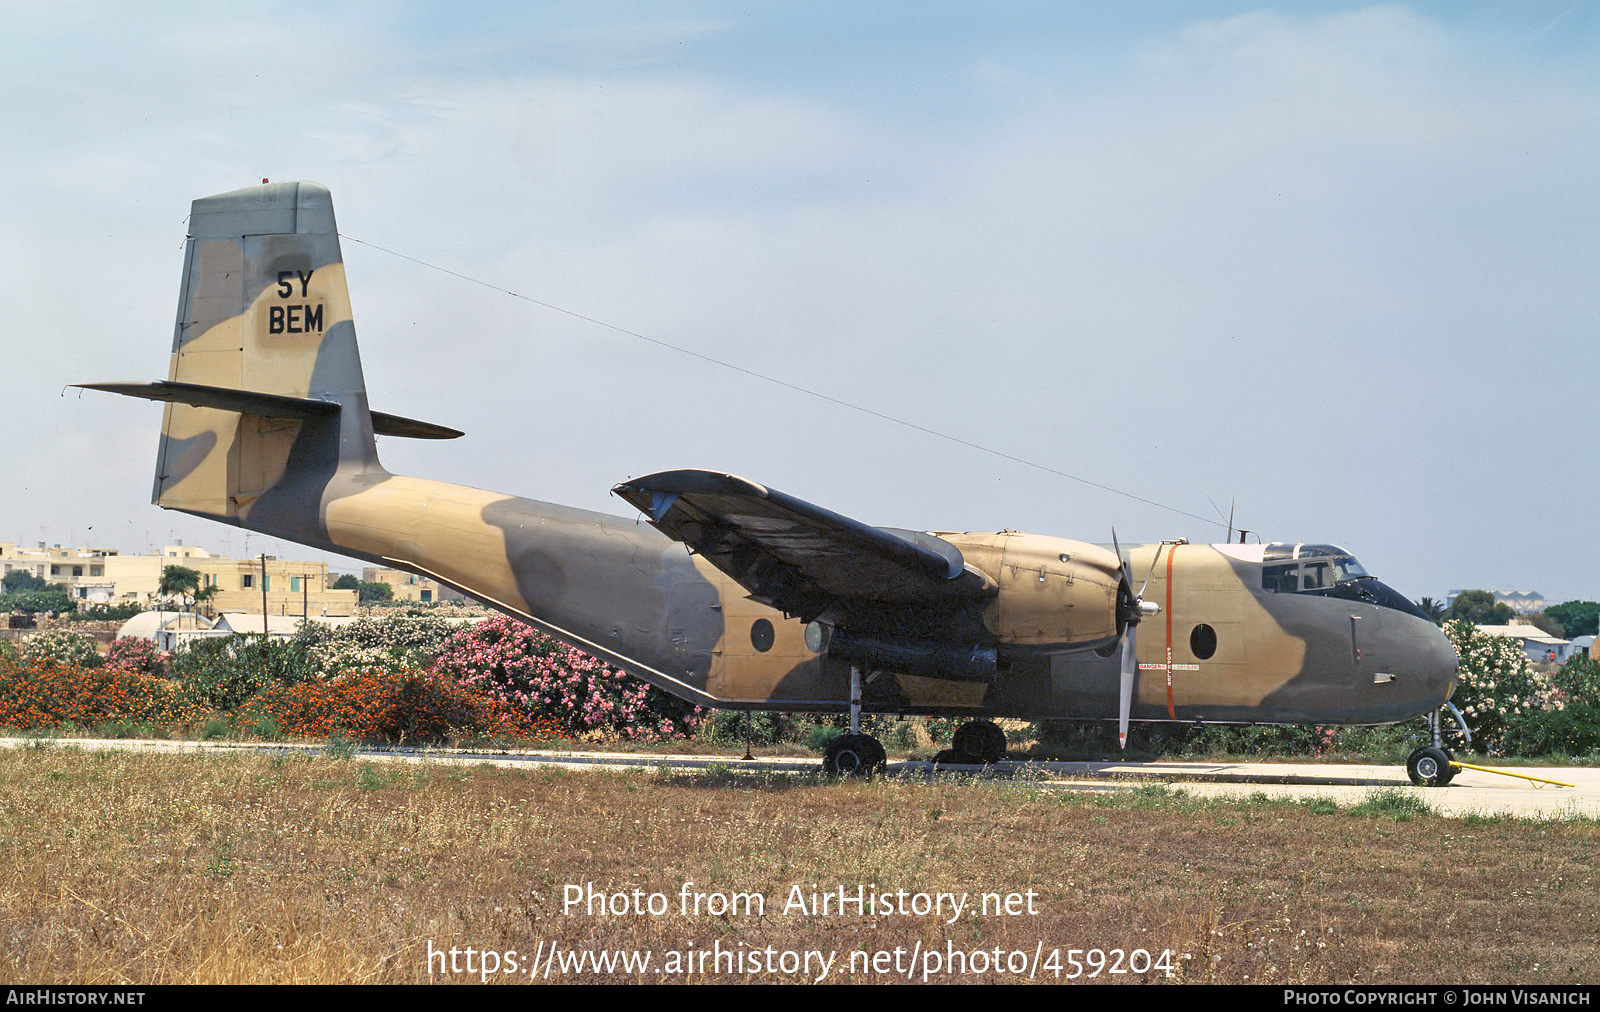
<point x="1430" y="766"/>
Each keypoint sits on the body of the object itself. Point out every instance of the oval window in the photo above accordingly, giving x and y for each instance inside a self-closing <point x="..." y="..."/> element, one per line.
<point x="1203" y="641"/>
<point x="816" y="637"/>
<point x="761" y="635"/>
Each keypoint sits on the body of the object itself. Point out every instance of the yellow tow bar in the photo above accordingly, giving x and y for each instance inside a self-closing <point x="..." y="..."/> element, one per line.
<point x="1508" y="773"/>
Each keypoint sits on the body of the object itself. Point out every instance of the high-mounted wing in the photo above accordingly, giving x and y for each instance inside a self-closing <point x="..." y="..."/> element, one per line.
<point x="799" y="558"/>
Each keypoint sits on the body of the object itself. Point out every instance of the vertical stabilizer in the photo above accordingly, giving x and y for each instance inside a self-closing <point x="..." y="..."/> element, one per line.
<point x="263" y="308"/>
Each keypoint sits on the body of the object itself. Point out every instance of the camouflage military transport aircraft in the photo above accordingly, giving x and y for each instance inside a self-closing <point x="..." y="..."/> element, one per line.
<point x="736" y="595"/>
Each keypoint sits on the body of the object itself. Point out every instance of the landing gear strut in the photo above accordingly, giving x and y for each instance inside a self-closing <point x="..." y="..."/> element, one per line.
<point x="1429" y="766"/>
<point x="854" y="754"/>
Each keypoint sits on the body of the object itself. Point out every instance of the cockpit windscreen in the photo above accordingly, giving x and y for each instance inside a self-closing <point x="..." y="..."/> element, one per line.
<point x="1325" y="570"/>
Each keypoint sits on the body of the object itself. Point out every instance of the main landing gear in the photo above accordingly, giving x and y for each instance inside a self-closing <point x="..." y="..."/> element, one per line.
<point x="975" y="743"/>
<point x="854" y="754"/>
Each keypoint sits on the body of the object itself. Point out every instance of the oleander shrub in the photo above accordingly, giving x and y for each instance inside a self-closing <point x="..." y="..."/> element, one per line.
<point x="538" y="676"/>
<point x="135" y="653"/>
<point x="1498" y="691"/>
<point x="404" y="639"/>
<point x="61" y="647"/>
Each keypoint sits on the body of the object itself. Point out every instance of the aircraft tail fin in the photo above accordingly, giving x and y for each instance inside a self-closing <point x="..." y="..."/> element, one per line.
<point x="266" y="402"/>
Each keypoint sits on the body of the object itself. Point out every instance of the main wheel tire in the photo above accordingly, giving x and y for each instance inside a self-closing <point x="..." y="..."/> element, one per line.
<point x="951" y="757"/>
<point x="853" y="755"/>
<point x="981" y="739"/>
<point x="1450" y="769"/>
<point x="1429" y="766"/>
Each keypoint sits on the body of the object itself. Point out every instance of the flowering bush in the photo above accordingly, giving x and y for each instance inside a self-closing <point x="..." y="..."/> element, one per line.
<point x="399" y="640"/>
<point x="403" y="705"/>
<point x="539" y="676"/>
<point x="47" y="694"/>
<point x="65" y="648"/>
<point x="1497" y="689"/>
<point x="135" y="653"/>
<point x="334" y="657"/>
<point x="1579" y="680"/>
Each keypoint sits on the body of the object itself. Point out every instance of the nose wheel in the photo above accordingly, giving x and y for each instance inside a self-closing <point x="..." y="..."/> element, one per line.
<point x="1430" y="766"/>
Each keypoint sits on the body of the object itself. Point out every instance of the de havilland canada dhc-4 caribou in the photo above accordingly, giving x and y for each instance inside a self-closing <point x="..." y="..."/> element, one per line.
<point x="734" y="595"/>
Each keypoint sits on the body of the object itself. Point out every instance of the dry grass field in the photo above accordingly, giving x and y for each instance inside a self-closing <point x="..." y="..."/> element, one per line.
<point x="233" y="868"/>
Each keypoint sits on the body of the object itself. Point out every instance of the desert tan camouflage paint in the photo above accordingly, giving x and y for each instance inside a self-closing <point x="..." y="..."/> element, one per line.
<point x="267" y="427"/>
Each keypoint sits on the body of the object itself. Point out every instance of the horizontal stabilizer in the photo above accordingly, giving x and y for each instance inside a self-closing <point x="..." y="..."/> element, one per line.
<point x="268" y="405"/>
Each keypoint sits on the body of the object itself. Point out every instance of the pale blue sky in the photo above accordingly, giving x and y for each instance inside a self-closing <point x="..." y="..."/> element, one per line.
<point x="1334" y="261"/>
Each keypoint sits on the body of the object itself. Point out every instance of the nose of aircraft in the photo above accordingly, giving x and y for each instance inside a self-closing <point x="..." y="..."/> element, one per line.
<point x="1423" y="658"/>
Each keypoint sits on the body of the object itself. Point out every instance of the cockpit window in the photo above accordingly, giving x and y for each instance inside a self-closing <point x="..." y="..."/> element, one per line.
<point x="1281" y="579"/>
<point x="1317" y="551"/>
<point x="1347" y="568"/>
<point x="1326" y="571"/>
<point x="1317" y="567"/>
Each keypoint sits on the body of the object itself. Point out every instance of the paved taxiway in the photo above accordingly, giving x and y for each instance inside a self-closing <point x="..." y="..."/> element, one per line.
<point x="1471" y="793"/>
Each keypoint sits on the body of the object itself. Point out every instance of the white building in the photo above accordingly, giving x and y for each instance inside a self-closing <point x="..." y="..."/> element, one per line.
<point x="1536" y="643"/>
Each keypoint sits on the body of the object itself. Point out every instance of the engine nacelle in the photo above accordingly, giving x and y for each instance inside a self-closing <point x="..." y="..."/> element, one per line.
<point x="1054" y="593"/>
<point x="967" y="663"/>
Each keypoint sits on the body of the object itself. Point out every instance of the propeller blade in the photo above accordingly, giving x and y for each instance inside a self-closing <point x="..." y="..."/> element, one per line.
<point x="1150" y="572"/>
<point x="1130" y="666"/>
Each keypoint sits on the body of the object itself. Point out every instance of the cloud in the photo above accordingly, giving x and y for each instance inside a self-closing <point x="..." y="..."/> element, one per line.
<point x="1275" y="256"/>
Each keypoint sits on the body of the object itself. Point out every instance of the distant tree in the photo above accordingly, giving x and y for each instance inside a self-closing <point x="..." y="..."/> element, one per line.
<point x="346" y="581"/>
<point x="1545" y="624"/>
<point x="1480" y="608"/>
<point x="32" y="602"/>
<point x="204" y="596"/>
<point x="179" y="580"/>
<point x="1433" y="609"/>
<point x="106" y="612"/>
<point x="374" y="590"/>
<point x="20" y="580"/>
<point x="1577" y="618"/>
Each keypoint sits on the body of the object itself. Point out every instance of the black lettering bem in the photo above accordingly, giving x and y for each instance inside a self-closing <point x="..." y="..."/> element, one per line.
<point x="285" y="289"/>
<point x="274" y="319"/>
<point x="314" y="318"/>
<point x="294" y="319"/>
